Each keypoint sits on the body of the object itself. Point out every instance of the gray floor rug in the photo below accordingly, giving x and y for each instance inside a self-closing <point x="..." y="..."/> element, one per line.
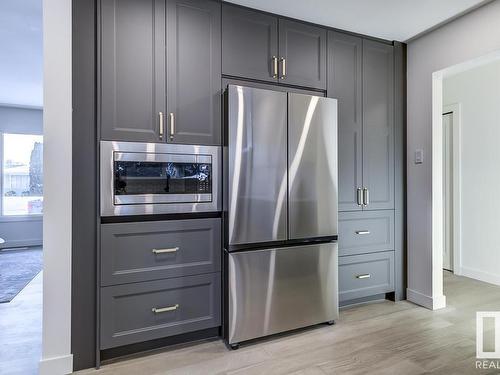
<point x="17" y="269"/>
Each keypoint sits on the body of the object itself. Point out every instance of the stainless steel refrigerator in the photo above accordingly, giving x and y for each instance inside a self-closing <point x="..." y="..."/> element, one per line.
<point x="280" y="212"/>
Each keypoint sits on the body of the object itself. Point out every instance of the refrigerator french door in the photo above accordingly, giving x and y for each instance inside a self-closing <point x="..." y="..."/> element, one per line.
<point x="280" y="208"/>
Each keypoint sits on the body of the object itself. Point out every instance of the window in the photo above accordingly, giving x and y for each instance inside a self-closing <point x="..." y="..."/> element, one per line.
<point x="22" y="188"/>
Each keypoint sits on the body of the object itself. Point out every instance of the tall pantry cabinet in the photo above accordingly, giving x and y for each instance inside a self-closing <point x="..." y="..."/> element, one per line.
<point x="361" y="75"/>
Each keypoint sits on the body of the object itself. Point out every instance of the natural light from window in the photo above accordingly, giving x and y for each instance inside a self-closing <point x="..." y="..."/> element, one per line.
<point x="22" y="169"/>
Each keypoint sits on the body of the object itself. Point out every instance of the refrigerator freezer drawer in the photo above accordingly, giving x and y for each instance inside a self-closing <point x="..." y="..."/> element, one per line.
<point x="277" y="290"/>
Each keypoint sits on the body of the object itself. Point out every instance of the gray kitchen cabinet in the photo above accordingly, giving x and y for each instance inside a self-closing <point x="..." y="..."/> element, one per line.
<point x="365" y="275"/>
<point x="302" y="53"/>
<point x="132" y="69"/>
<point x="268" y="48"/>
<point x="345" y="84"/>
<point x="366" y="232"/>
<point x="137" y="312"/>
<point x="378" y="124"/>
<point x="193" y="72"/>
<point x="249" y="44"/>
<point x="361" y="77"/>
<point x="160" y="68"/>
<point x="152" y="250"/>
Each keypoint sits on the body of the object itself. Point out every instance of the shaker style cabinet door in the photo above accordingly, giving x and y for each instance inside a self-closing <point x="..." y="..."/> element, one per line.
<point x="378" y="124"/>
<point x="302" y="53"/>
<point x="193" y="72"/>
<point x="345" y="84"/>
<point x="132" y="69"/>
<point x="249" y="44"/>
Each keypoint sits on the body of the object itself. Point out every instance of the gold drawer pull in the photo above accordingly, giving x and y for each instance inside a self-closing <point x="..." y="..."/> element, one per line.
<point x="364" y="276"/>
<point x="361" y="232"/>
<point x="163" y="251"/>
<point x="165" y="309"/>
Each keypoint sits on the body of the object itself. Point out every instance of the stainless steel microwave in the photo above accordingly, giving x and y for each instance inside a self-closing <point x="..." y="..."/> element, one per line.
<point x="155" y="178"/>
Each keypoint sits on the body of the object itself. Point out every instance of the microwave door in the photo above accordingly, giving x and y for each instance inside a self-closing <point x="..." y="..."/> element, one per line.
<point x="256" y="197"/>
<point x="162" y="180"/>
<point x="312" y="164"/>
<point x="148" y="178"/>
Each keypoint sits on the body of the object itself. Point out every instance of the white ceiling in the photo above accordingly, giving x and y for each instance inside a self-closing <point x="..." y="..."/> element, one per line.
<point x="21" y="52"/>
<point x="388" y="19"/>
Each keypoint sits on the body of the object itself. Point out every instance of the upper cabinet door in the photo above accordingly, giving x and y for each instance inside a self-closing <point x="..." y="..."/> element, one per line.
<point x="132" y="74"/>
<point x="345" y="84"/>
<point x="378" y="124"/>
<point x="193" y="72"/>
<point x="302" y="54"/>
<point x="249" y="44"/>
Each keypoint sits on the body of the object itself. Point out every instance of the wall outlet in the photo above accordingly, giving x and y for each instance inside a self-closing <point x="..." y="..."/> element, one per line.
<point x="419" y="156"/>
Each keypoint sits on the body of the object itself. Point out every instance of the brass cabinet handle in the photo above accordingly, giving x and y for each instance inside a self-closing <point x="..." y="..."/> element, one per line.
<point x="361" y="232"/>
<point x="163" y="251"/>
<point x="159" y="310"/>
<point x="359" y="196"/>
<point x="283" y="68"/>
<point x="162" y="124"/>
<point x="366" y="197"/>
<point x="275" y="67"/>
<point x="364" y="276"/>
<point x="172" y="125"/>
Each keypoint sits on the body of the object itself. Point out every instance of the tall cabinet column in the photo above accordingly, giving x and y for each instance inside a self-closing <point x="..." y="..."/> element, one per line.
<point x="361" y="75"/>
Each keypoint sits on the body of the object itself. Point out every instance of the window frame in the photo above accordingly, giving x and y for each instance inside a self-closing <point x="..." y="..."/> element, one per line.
<point x="12" y="218"/>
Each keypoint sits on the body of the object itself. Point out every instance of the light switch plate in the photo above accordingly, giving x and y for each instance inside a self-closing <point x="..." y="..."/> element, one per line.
<point x="419" y="156"/>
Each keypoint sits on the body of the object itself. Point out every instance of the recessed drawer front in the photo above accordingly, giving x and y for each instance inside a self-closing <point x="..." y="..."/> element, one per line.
<point x="133" y="252"/>
<point x="366" y="275"/>
<point x="139" y="312"/>
<point x="366" y="232"/>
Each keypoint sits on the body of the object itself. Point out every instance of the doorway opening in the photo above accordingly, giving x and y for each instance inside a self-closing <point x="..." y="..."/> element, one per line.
<point x="448" y="127"/>
<point x="21" y="185"/>
<point x="466" y="129"/>
<point x="451" y="185"/>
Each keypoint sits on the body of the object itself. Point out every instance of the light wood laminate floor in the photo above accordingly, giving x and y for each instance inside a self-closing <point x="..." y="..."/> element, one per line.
<point x="21" y="331"/>
<point x="378" y="338"/>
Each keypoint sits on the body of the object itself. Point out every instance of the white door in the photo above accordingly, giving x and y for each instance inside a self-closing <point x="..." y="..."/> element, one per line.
<point x="448" y="191"/>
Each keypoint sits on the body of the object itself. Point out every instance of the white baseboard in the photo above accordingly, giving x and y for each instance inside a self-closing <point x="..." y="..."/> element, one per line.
<point x="431" y="303"/>
<point x="486" y="277"/>
<point x="22" y="243"/>
<point x="56" y="365"/>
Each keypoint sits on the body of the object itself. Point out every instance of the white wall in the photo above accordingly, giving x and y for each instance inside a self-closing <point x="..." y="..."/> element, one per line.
<point x="478" y="92"/>
<point x="468" y="37"/>
<point x="56" y="336"/>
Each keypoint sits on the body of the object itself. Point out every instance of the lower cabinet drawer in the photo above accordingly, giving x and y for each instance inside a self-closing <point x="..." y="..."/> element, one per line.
<point x="366" y="232"/>
<point x="153" y="250"/>
<point x="366" y="275"/>
<point x="145" y="311"/>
